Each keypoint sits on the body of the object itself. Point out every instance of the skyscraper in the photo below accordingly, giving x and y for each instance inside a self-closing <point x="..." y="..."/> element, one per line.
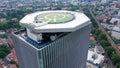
<point x="53" y="39"/>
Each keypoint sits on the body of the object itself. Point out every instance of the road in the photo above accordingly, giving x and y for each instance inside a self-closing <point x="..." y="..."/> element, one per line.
<point x="107" y="35"/>
<point x="110" y="65"/>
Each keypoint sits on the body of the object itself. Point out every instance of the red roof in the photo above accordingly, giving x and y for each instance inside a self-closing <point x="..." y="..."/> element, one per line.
<point x="119" y="46"/>
<point x="13" y="66"/>
<point x="9" y="41"/>
<point x="92" y="38"/>
<point x="14" y="52"/>
<point x="102" y="17"/>
<point x="12" y="55"/>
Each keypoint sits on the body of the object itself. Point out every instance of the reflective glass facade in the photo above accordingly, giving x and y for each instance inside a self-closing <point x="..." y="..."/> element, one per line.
<point x="69" y="51"/>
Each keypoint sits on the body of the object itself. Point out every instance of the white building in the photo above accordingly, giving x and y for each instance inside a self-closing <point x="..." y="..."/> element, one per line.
<point x="99" y="50"/>
<point x="116" y="32"/>
<point x="116" y="29"/>
<point x="94" y="60"/>
<point x="103" y="1"/>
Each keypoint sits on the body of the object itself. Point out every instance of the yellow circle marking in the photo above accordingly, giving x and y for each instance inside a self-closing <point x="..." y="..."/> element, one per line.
<point x="46" y="17"/>
<point x="54" y="19"/>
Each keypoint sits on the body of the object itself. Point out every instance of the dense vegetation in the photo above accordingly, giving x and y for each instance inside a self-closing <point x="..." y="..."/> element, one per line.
<point x="3" y="36"/>
<point x="9" y="24"/>
<point x="102" y="39"/>
<point x="4" y="50"/>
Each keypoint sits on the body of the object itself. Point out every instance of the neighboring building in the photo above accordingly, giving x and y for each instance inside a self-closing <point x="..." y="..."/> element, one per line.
<point x="94" y="60"/>
<point x="89" y="0"/>
<point x="3" y="41"/>
<point x="92" y="38"/>
<point x="99" y="50"/>
<point x="103" y="1"/>
<point x="116" y="32"/>
<point x="74" y="2"/>
<point x="2" y="32"/>
<point x="2" y="64"/>
<point x="12" y="56"/>
<point x="2" y="19"/>
<point x="119" y="46"/>
<point x="12" y="66"/>
<point x="9" y="41"/>
<point x="114" y="19"/>
<point x="53" y="39"/>
<point x="116" y="29"/>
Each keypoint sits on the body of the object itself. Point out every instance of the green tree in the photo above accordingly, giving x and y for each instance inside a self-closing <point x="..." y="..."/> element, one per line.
<point x="73" y="8"/>
<point x="115" y="59"/>
<point x="101" y="36"/>
<point x="118" y="65"/>
<point x="98" y="31"/>
<point x="104" y="43"/>
<point x="2" y="54"/>
<point x="12" y="62"/>
<point x="116" y="41"/>
<point x="3" y="26"/>
<point x="110" y="50"/>
<point x="10" y="24"/>
<point x="13" y="24"/>
<point x="4" y="50"/>
<point x="59" y="7"/>
<point x="3" y="36"/>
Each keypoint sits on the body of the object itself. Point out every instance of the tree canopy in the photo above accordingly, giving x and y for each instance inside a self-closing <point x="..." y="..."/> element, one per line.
<point x="4" y="50"/>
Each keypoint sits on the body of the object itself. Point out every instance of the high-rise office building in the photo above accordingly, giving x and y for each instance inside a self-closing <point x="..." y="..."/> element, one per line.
<point x="53" y="39"/>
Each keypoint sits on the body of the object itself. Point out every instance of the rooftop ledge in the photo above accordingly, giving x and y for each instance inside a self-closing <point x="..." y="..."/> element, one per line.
<point x="55" y="21"/>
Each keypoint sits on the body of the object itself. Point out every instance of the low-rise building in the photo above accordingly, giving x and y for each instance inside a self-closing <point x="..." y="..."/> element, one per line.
<point x="99" y="50"/>
<point x="3" y="41"/>
<point x="116" y="32"/>
<point x="2" y="32"/>
<point x="94" y="60"/>
<point x="2" y="19"/>
<point x="113" y="20"/>
<point x="13" y="66"/>
<point x="12" y="56"/>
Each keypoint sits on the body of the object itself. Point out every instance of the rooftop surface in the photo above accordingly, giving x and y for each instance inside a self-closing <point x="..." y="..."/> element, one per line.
<point x="95" y="58"/>
<point x="55" y="21"/>
<point x="23" y="35"/>
<point x="55" y="17"/>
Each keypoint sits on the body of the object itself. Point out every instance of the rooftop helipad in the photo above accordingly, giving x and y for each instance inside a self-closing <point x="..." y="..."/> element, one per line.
<point x="55" y="17"/>
<point x="55" y="21"/>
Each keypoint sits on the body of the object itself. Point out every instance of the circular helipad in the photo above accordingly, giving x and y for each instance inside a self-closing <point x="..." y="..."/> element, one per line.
<point x="54" y="17"/>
